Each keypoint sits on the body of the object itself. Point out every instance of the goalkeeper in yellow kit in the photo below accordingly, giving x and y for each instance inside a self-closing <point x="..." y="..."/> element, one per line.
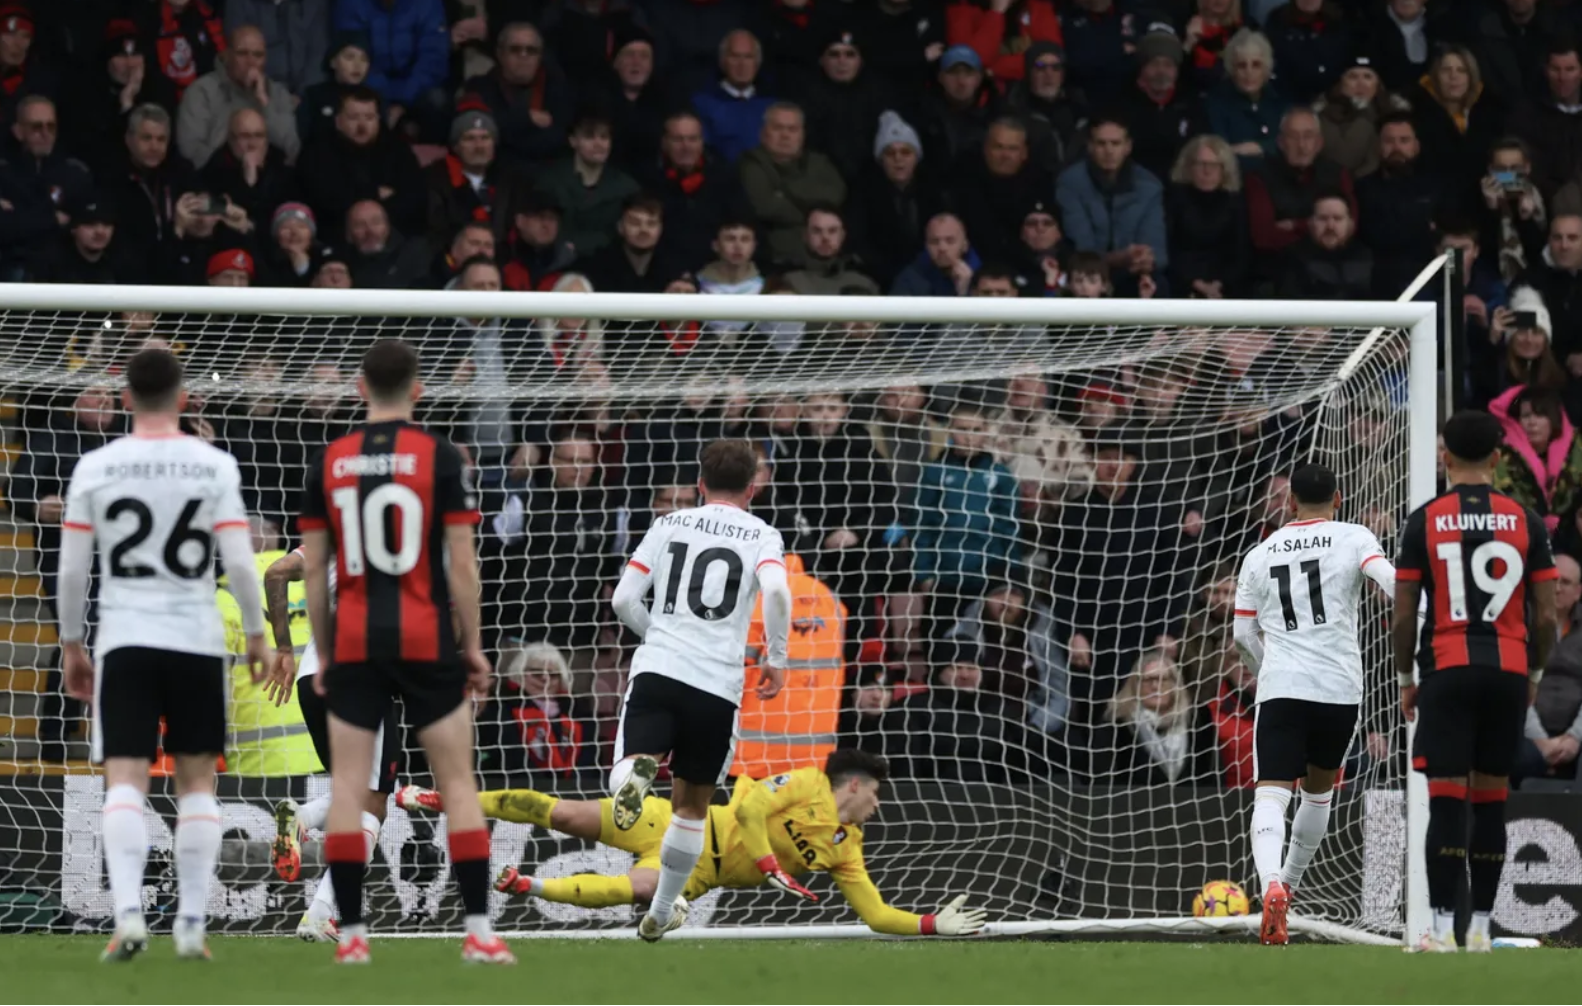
<point x="772" y="831"/>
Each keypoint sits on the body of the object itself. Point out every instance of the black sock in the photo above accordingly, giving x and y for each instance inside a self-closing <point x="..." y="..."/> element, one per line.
<point x="1447" y="845"/>
<point x="1486" y="853"/>
<point x="346" y="852"/>
<point x="469" y="863"/>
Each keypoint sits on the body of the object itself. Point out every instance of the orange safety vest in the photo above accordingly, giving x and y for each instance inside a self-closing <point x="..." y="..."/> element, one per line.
<point x="796" y="728"/>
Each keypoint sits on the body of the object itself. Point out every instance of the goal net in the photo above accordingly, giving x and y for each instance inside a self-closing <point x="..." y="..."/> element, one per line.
<point x="1019" y="525"/>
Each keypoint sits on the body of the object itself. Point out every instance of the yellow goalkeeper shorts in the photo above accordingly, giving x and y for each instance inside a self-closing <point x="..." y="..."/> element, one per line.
<point x="646" y="836"/>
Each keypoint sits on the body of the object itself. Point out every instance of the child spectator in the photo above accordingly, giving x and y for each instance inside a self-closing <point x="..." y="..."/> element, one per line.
<point x="734" y="272"/>
<point x="348" y="65"/>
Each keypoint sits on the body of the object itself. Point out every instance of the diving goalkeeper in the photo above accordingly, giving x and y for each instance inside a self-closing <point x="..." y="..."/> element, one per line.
<point x="773" y="831"/>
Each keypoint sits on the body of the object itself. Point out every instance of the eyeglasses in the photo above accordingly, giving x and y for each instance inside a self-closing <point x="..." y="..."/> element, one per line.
<point x="524" y="50"/>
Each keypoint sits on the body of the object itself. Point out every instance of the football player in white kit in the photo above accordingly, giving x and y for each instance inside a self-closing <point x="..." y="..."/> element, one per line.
<point x="317" y="925"/>
<point x="1296" y="627"/>
<point x="707" y="565"/>
<point x="157" y="504"/>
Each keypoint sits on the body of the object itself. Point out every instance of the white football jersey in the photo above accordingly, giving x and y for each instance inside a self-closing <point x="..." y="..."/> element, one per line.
<point x="154" y="506"/>
<point x="1303" y="584"/>
<point x="705" y="564"/>
<point x="309" y="664"/>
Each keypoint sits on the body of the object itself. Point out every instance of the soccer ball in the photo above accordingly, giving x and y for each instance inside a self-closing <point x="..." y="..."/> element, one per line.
<point x="1218" y="898"/>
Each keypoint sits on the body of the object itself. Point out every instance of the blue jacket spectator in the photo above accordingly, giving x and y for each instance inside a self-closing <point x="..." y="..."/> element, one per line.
<point x="1111" y="206"/>
<point x="411" y="45"/>
<point x="1244" y="109"/>
<point x="733" y="109"/>
<point x="944" y="267"/>
<point x="964" y="523"/>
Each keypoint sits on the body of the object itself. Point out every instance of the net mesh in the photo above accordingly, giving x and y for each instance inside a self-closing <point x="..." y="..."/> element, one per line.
<point x="1029" y="536"/>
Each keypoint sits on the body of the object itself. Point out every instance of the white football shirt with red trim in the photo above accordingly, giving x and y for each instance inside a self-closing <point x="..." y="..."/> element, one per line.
<point x="154" y="506"/>
<point x="1303" y="584"/>
<point x="704" y="563"/>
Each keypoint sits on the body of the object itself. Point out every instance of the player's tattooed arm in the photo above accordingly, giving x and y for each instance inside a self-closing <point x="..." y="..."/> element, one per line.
<point x="277" y="594"/>
<point x="1544" y="623"/>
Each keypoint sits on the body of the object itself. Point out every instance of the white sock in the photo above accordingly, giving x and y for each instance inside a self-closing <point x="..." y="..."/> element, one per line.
<point x="125" y="836"/>
<point x="1444" y="925"/>
<point x="1307" y="831"/>
<point x="478" y="926"/>
<point x="197" y="852"/>
<point x="620" y="773"/>
<point x="323" y="904"/>
<point x="1479" y="925"/>
<point x="1268" y="831"/>
<point x="678" y="854"/>
<point x="312" y="814"/>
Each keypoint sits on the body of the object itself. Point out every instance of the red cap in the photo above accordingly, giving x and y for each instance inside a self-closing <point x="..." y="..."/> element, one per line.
<point x="234" y="258"/>
<point x="15" y="17"/>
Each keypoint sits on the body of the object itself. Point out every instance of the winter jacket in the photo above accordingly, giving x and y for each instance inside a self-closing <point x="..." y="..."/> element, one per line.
<point x="1107" y="218"/>
<point x="1314" y="273"/>
<point x="452" y="201"/>
<point x="410" y="42"/>
<point x="296" y="37"/>
<point x="1208" y="239"/>
<point x="1099" y="47"/>
<point x="335" y="173"/>
<point x="277" y="184"/>
<point x="1236" y="118"/>
<point x="993" y="207"/>
<point x="1458" y="150"/>
<point x="1554" y="134"/>
<point x="204" y="121"/>
<point x="1351" y="134"/>
<point x="587" y="215"/>
<point x="1056" y="129"/>
<point x="781" y="193"/>
<point x="832" y="277"/>
<point x="1562" y="293"/>
<point x="985" y="30"/>
<point x="964" y="522"/>
<point x="1159" y="131"/>
<point x="1550" y="483"/>
<point x="1310" y="50"/>
<point x="522" y="139"/>
<point x="925" y="279"/>
<point x="1232" y="713"/>
<point x="183" y="45"/>
<point x="1396" y="220"/>
<point x="1277" y="191"/>
<point x="730" y="124"/>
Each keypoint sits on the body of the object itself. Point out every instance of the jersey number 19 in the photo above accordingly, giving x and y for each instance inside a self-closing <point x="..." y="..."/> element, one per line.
<point x="1499" y="588"/>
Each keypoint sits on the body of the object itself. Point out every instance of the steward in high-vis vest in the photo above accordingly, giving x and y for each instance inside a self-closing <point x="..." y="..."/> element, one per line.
<point x="796" y="728"/>
<point x="264" y="739"/>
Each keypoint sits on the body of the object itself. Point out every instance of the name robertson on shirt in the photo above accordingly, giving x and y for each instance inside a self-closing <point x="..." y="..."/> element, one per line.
<point x="1475" y="522"/>
<point x="715" y="527"/>
<point x="160" y="470"/>
<point x="375" y="464"/>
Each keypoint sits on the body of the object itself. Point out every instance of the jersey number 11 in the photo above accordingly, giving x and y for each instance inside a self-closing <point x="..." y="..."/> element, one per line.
<point x="1315" y="592"/>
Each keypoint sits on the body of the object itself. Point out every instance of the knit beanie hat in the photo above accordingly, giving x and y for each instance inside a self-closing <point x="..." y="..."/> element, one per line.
<point x="473" y="116"/>
<point x="293" y="211"/>
<point x="894" y="129"/>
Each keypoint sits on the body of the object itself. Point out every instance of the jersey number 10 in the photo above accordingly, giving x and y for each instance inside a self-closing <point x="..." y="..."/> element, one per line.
<point x="364" y="540"/>
<point x="700" y="569"/>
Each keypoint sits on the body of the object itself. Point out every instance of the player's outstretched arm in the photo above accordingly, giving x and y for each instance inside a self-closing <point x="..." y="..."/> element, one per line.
<point x="752" y="819"/>
<point x="952" y="919"/>
<point x="1382" y="572"/>
<point x="628" y="598"/>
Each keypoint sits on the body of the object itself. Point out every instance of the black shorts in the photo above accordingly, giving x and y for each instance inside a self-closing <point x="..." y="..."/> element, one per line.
<point x="361" y="694"/>
<point x="316" y="716"/>
<point x="695" y="728"/>
<point x="1291" y="734"/>
<point x="137" y="685"/>
<point x="1469" y="719"/>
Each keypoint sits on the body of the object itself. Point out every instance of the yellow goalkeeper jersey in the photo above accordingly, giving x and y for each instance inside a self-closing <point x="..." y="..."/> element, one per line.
<point x="794" y="816"/>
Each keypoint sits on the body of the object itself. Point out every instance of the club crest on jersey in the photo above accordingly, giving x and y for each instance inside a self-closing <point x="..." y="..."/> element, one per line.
<point x="778" y="781"/>
<point x="838" y="837"/>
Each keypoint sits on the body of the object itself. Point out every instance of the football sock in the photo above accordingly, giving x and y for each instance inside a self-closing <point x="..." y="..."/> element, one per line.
<point x="524" y="806"/>
<point x="197" y="853"/>
<point x="1486" y="852"/>
<point x="1479" y="925"/>
<point x="125" y="836"/>
<point x="588" y="890"/>
<point x="1307" y="831"/>
<point x="313" y="814"/>
<point x="323" y="904"/>
<point x="469" y="864"/>
<point x="1446" y="850"/>
<point x="1268" y="831"/>
<point x="678" y="854"/>
<point x="345" y="851"/>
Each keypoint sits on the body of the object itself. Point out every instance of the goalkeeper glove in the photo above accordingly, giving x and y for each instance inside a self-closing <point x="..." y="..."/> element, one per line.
<point x="953" y="920"/>
<point x="783" y="880"/>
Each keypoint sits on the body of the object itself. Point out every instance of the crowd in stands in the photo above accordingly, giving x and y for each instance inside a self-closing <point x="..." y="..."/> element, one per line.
<point x="982" y="542"/>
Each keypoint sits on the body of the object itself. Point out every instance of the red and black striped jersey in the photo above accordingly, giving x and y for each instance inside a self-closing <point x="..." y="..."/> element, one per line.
<point x="385" y="493"/>
<point x="1475" y="552"/>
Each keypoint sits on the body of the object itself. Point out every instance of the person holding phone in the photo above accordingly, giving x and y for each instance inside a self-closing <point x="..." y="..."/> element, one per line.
<point x="1514" y="218"/>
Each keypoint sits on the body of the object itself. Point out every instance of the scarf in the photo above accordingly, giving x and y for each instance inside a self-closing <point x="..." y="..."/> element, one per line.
<point x="1168" y="750"/>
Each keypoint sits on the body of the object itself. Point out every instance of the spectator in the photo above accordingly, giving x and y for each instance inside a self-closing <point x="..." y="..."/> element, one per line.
<point x="1160" y="114"/>
<point x="1557" y="277"/>
<point x="635" y="100"/>
<point x="893" y="201"/>
<point x="587" y="188"/>
<point x="1400" y="37"/>
<point x="1311" y="40"/>
<point x="96" y="104"/>
<point x="1152" y="734"/>
<point x="293" y="232"/>
<point x="1110" y="205"/>
<point x="1244" y="109"/>
<point x="186" y="38"/>
<point x="34" y="154"/>
<point x="196" y="238"/>
<point x="826" y="268"/>
<point x="532" y="722"/>
<point x="697" y="190"/>
<point x="690" y="36"/>
<point x="22" y="72"/>
<point x="863" y="721"/>
<point x="1514" y="37"/>
<point x="1203" y="43"/>
<point x="331" y="271"/>
<point x="1456" y="119"/>
<point x="208" y="105"/>
<point x="1100" y="35"/>
<point x="230" y="268"/>
<point x="471" y="241"/>
<point x="955" y="116"/>
<point x="1485" y="295"/>
<point x="955" y="731"/>
<point x="348" y="65"/>
<point x="471" y="182"/>
<point x="527" y="95"/>
<point x="638" y="262"/>
<point x="1280" y="193"/>
<point x="534" y="253"/>
<point x="409" y="60"/>
<point x="905" y="37"/>
<point x="733" y="110"/>
<point x="945" y="266"/>
<point x="1207" y="222"/>
<point x="247" y="170"/>
<point x="88" y="251"/>
<point x="296" y="35"/>
<point x="996" y="190"/>
<point x="1053" y="117"/>
<point x="843" y="103"/>
<point x="585" y="37"/>
<point x="152" y="180"/>
<point x="1552" y="125"/>
<point x="1514" y="221"/>
<point x="359" y="161"/>
<point x="794" y="34"/>
<point x="382" y="258"/>
<point x="1349" y="116"/>
<point x="1041" y="249"/>
<point x="1529" y="360"/>
<point x="1396" y="206"/>
<point x="782" y="180"/>
<point x="1540" y="463"/>
<point x="1001" y="31"/>
<point x="1233" y="713"/>
<point x="1327" y="264"/>
<point x="1088" y="276"/>
<point x="1552" y="735"/>
<point x="733" y="272"/>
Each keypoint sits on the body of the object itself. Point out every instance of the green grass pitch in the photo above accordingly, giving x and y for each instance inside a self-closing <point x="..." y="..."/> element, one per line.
<point x="283" y="971"/>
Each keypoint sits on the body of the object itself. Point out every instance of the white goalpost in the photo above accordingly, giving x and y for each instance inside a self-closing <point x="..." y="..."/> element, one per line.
<point x="1022" y="513"/>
